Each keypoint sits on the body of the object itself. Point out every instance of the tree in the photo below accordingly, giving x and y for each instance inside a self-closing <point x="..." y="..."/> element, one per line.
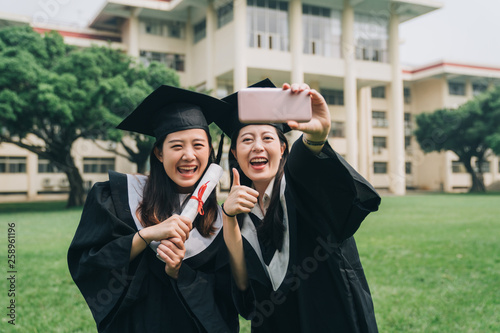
<point x="492" y="103"/>
<point x="467" y="131"/>
<point x="59" y="94"/>
<point x="140" y="82"/>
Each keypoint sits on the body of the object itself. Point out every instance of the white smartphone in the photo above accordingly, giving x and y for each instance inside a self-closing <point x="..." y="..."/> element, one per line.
<point x="273" y="105"/>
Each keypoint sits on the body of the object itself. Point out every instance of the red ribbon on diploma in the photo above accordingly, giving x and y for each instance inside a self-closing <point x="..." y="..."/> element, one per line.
<point x="199" y="197"/>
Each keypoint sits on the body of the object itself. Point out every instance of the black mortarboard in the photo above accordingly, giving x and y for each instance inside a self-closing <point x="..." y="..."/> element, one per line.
<point x="169" y="109"/>
<point x="229" y="122"/>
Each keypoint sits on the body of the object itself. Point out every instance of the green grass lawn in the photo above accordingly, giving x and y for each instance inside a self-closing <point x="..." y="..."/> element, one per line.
<point x="432" y="262"/>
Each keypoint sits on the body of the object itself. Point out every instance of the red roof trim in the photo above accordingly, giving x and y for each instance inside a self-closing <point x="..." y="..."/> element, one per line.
<point x="81" y="35"/>
<point x="442" y="64"/>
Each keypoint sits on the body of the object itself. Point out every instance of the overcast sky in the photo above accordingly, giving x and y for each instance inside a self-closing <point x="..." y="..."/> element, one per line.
<point x="462" y="31"/>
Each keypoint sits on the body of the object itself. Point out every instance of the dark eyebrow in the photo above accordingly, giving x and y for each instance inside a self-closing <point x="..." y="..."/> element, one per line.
<point x="176" y="140"/>
<point x="182" y="141"/>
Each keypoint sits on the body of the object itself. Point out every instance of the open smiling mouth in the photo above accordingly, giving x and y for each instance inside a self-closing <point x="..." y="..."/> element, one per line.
<point x="187" y="170"/>
<point x="258" y="161"/>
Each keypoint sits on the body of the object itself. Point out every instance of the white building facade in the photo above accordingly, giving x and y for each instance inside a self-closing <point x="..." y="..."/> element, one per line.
<point x="347" y="50"/>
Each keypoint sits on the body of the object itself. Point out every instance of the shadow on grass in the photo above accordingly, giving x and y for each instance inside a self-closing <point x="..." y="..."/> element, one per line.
<point x="37" y="206"/>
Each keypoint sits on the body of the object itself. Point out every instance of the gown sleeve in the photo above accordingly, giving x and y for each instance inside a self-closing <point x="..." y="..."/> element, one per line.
<point x="332" y="196"/>
<point x="198" y="291"/>
<point x="98" y="257"/>
<point x="207" y="291"/>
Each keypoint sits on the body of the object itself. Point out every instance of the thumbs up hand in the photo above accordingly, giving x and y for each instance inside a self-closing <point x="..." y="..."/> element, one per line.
<point x="241" y="199"/>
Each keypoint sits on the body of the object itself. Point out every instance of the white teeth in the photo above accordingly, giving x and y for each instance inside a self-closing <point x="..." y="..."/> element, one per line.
<point x="258" y="160"/>
<point x="187" y="168"/>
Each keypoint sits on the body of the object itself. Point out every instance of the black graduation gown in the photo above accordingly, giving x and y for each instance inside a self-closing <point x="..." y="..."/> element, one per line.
<point x="324" y="288"/>
<point x="138" y="296"/>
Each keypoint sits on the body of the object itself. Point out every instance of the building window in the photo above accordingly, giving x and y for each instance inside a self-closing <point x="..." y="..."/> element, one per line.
<point x="456" y="88"/>
<point x="407" y="117"/>
<point x="322" y="31"/>
<point x="98" y="164"/>
<point x="378" y="92"/>
<point x="171" y="60"/>
<point x="408" y="168"/>
<point x="408" y="124"/>
<point x="173" y="29"/>
<point x="483" y="167"/>
<point x="478" y="88"/>
<point x="268" y="24"/>
<point x="12" y="164"/>
<point x="333" y="97"/>
<point x="338" y="129"/>
<point x="379" y="143"/>
<point x="200" y="30"/>
<point x="176" y="29"/>
<point x="223" y="89"/>
<point x="379" y="119"/>
<point x="45" y="166"/>
<point x="457" y="167"/>
<point x="379" y="167"/>
<point x="407" y="95"/>
<point x="371" y="36"/>
<point x="153" y="28"/>
<point x="407" y="141"/>
<point x="224" y="14"/>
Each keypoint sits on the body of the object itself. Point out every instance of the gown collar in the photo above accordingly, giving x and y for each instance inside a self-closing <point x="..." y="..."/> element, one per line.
<point x="256" y="210"/>
<point x="195" y="244"/>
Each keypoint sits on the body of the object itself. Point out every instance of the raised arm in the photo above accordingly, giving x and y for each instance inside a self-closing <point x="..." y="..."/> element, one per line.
<point x="317" y="129"/>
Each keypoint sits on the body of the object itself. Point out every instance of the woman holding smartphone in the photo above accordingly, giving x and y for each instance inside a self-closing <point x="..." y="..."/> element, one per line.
<point x="289" y="222"/>
<point x="126" y="286"/>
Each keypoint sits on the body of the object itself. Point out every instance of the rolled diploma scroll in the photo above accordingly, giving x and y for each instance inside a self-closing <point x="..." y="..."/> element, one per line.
<point x="210" y="179"/>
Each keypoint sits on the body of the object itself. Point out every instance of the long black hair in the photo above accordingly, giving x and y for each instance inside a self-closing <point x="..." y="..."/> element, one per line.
<point x="271" y="231"/>
<point x="160" y="198"/>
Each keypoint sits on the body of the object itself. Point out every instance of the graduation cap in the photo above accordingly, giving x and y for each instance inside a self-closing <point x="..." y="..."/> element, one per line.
<point x="229" y="122"/>
<point x="169" y="109"/>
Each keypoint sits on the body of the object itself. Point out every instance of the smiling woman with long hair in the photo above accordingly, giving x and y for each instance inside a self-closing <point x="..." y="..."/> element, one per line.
<point x="289" y="222"/>
<point x="183" y="286"/>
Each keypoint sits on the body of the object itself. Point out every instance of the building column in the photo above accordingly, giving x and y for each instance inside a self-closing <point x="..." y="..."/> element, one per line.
<point x="397" y="177"/>
<point x="445" y="95"/>
<point x="132" y="33"/>
<point x="189" y="57"/>
<point x="365" y="133"/>
<point x="296" y="44"/>
<point x="32" y="173"/>
<point x="350" y="86"/>
<point x="240" y="75"/>
<point x="469" y="93"/>
<point x="210" y="80"/>
<point x="296" y="41"/>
